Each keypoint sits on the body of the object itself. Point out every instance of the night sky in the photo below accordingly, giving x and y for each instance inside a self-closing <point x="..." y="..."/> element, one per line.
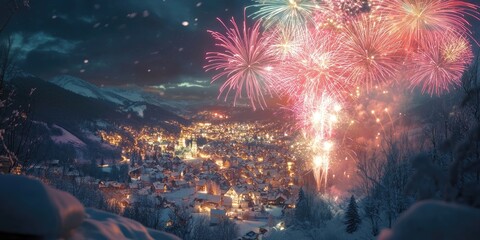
<point x="122" y="42"/>
<point x="145" y="42"/>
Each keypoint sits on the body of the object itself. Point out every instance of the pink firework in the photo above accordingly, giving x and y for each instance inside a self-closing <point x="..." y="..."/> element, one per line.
<point x="371" y="53"/>
<point x="246" y="62"/>
<point x="313" y="67"/>
<point x="417" y="20"/>
<point x="440" y="63"/>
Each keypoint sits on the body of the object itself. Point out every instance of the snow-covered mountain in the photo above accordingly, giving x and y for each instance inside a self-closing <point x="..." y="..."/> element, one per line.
<point x="70" y="101"/>
<point x="128" y="98"/>
<point x="87" y="89"/>
<point x="64" y="118"/>
<point x="138" y="94"/>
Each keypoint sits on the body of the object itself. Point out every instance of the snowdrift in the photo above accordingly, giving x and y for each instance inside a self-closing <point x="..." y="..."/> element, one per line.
<point x="103" y="225"/>
<point x="29" y="208"/>
<point x="436" y="220"/>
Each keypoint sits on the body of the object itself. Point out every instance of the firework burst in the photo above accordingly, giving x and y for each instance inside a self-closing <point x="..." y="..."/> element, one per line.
<point x="416" y="21"/>
<point x="317" y="53"/>
<point x="313" y="67"/>
<point x="371" y="53"/>
<point x="291" y="15"/>
<point x="246" y="62"/>
<point x="440" y="63"/>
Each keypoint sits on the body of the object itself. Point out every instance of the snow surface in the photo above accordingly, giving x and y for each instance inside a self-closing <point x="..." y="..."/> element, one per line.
<point x="436" y="220"/>
<point x="179" y="195"/>
<point x="247" y="226"/>
<point x="67" y="138"/>
<point x="103" y="225"/>
<point x="29" y="207"/>
<point x="275" y="211"/>
<point x="138" y="109"/>
<point x="86" y="89"/>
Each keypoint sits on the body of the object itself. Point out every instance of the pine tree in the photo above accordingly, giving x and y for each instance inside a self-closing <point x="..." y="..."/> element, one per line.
<point x="301" y="207"/>
<point x="114" y="174"/>
<point x="352" y="219"/>
<point x="133" y="159"/>
<point x="93" y="170"/>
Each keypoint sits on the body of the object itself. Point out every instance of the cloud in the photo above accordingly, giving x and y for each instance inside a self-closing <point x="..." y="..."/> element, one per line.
<point x="63" y="63"/>
<point x="190" y="85"/>
<point x="125" y="42"/>
<point x="40" y="41"/>
<point x="185" y="87"/>
<point x="182" y="83"/>
<point x="161" y="87"/>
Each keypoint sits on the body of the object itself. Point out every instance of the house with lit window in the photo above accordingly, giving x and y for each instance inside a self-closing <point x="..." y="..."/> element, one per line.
<point x="159" y="187"/>
<point x="236" y="194"/>
<point x="201" y="186"/>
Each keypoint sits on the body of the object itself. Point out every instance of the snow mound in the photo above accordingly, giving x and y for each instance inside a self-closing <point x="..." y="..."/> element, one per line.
<point x="436" y="220"/>
<point x="247" y="226"/>
<point x="29" y="207"/>
<point x="103" y="225"/>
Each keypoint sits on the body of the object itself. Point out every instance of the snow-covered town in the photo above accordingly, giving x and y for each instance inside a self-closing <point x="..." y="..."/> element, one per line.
<point x="240" y="119"/>
<point x="243" y="171"/>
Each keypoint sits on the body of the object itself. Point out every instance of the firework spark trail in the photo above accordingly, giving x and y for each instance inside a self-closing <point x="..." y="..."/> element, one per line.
<point x="321" y="164"/>
<point x="317" y="115"/>
<point x="246" y="62"/>
<point x="440" y="63"/>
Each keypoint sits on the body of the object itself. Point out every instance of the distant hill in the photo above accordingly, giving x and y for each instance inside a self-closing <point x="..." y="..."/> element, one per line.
<point x="65" y="117"/>
<point x="125" y="96"/>
<point x="87" y="89"/>
<point x="70" y="101"/>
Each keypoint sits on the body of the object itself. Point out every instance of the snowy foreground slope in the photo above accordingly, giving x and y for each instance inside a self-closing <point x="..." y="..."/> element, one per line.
<point x="29" y="208"/>
<point x="437" y="221"/>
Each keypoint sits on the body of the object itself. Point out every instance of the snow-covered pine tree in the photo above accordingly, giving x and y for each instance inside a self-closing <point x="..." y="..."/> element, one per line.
<point x="301" y="207"/>
<point x="352" y="219"/>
